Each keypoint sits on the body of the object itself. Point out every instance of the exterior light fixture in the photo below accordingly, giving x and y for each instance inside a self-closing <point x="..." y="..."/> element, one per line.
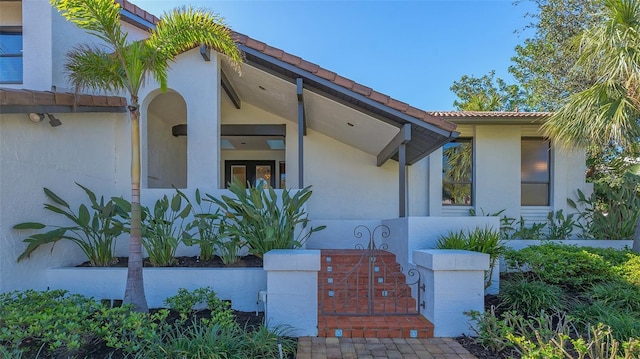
<point x="54" y="122"/>
<point x="36" y="117"/>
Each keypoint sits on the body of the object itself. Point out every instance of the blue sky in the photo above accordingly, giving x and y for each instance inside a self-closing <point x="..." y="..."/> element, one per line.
<point x="410" y="50"/>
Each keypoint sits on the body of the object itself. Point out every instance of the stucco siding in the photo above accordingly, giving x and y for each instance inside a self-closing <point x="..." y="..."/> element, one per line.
<point x="35" y="155"/>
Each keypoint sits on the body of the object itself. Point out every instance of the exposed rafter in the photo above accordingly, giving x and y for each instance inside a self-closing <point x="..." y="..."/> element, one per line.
<point x="402" y="138"/>
<point x="230" y="91"/>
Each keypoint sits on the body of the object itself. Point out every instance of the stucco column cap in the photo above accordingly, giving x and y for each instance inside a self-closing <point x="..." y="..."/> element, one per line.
<point x="451" y="260"/>
<point x="292" y="260"/>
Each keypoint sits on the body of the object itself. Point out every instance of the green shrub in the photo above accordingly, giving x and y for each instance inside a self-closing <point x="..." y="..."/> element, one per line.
<point x="132" y="332"/>
<point x="95" y="231"/>
<point x="564" y="265"/>
<point x="530" y="297"/>
<point x="630" y="269"/>
<point x="483" y="240"/>
<point x="535" y="231"/>
<point x="54" y="320"/>
<point x="265" y="221"/>
<point x="187" y="302"/>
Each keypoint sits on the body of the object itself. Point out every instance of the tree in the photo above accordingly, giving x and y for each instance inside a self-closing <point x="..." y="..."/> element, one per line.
<point x="609" y="110"/>
<point x="121" y="65"/>
<point x="543" y="65"/>
<point x="486" y="93"/>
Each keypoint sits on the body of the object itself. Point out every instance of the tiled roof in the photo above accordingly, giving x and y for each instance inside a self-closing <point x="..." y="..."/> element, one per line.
<point x="486" y="114"/>
<point x="318" y="71"/>
<point x="136" y="10"/>
<point x="31" y="98"/>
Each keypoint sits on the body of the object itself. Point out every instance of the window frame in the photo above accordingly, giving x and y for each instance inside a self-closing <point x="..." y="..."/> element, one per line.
<point x="548" y="181"/>
<point x="14" y="30"/>
<point x="470" y="182"/>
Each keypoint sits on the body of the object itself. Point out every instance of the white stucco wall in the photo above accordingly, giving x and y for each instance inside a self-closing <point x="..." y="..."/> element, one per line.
<point x="34" y="155"/>
<point x="496" y="181"/>
<point x="167" y="154"/>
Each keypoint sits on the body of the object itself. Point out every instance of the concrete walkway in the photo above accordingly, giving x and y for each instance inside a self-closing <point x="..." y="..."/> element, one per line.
<point x="384" y="348"/>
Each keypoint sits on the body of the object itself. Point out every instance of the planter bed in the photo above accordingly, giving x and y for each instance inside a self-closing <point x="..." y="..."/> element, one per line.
<point x="239" y="285"/>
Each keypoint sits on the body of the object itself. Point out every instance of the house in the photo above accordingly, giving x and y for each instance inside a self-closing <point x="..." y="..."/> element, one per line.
<point x="284" y="122"/>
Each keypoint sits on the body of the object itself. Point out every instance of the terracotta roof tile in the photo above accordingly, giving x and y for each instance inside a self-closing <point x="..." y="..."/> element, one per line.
<point x="239" y="38"/>
<point x="255" y="44"/>
<point x="273" y="52"/>
<point x="64" y="98"/>
<point x="362" y="90"/>
<point x="478" y="114"/>
<point x="326" y="74"/>
<point x="397" y="105"/>
<point x="343" y="81"/>
<point x="379" y="97"/>
<point x="309" y="66"/>
<point x="415" y="112"/>
<point x="14" y="97"/>
<point x="290" y="59"/>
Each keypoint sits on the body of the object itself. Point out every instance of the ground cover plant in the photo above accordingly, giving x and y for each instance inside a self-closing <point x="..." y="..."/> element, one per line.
<point x="563" y="301"/>
<point x="197" y="324"/>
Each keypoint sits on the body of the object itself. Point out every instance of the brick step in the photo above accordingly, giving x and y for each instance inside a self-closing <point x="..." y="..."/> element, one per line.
<point x="392" y="326"/>
<point x="360" y="306"/>
<point x="352" y="292"/>
<point x="362" y="269"/>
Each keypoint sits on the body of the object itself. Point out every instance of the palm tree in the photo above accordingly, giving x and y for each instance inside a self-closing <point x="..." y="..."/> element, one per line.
<point x="608" y="111"/>
<point x="124" y="65"/>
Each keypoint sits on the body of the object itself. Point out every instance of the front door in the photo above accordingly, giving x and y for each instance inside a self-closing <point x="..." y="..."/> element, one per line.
<point x="257" y="173"/>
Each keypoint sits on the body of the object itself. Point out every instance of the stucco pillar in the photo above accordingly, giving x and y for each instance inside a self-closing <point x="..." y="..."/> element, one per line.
<point x="292" y="290"/>
<point x="454" y="281"/>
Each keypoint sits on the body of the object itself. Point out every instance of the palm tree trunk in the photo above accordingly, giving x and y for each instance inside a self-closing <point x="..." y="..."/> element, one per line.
<point x="134" y="292"/>
<point x="636" y="237"/>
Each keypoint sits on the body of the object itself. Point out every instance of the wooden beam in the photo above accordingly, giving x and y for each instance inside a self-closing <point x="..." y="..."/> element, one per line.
<point x="402" y="178"/>
<point x="402" y="138"/>
<point x="205" y="52"/>
<point x="302" y="131"/>
<point x="300" y="93"/>
<point x="231" y="92"/>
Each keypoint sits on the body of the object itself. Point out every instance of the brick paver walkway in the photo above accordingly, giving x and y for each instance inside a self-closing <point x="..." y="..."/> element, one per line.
<point x="374" y="348"/>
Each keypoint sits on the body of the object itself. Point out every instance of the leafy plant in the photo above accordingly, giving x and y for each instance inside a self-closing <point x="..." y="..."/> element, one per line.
<point x="600" y="344"/>
<point x="94" y="230"/>
<point x="612" y="214"/>
<point x="163" y="229"/>
<point x="263" y="220"/>
<point x="560" y="226"/>
<point x="535" y="231"/>
<point x="531" y="297"/>
<point x="187" y="302"/>
<point x="213" y="231"/>
<point x="483" y="240"/>
<point x="506" y="223"/>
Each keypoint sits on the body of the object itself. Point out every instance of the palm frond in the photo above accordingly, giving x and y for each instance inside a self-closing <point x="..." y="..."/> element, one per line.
<point x="185" y="28"/>
<point x="91" y="67"/>
<point x="101" y="18"/>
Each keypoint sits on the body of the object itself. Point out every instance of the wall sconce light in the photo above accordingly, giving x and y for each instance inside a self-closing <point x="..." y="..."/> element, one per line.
<point x="36" y="117"/>
<point x="54" y="122"/>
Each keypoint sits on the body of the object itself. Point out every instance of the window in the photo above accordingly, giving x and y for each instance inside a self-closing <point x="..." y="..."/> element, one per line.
<point x="10" y="54"/>
<point x="535" y="172"/>
<point x="457" y="173"/>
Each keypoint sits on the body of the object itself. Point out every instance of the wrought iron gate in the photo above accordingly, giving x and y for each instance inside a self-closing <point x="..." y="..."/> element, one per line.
<point x="374" y="285"/>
